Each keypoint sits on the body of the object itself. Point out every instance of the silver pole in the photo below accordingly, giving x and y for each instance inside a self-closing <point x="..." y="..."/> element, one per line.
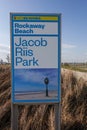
<point x="57" y="116"/>
<point x="14" y="116"/>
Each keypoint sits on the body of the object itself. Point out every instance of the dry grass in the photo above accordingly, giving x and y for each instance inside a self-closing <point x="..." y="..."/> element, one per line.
<point x="74" y="102"/>
<point x="41" y="117"/>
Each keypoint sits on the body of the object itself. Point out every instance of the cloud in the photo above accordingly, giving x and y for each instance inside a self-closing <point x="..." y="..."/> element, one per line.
<point x="38" y="75"/>
<point x="68" y="46"/>
<point x="85" y="53"/>
<point x="4" y="48"/>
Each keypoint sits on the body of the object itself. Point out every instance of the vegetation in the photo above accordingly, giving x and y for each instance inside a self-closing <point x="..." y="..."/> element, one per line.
<point x="82" y="67"/>
<point x="41" y="117"/>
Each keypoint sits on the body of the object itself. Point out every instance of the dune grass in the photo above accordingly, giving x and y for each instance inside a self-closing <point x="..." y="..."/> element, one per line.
<point x="41" y="117"/>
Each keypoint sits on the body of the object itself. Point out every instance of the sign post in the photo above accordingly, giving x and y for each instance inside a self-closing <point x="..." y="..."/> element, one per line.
<point x="36" y="57"/>
<point x="14" y="116"/>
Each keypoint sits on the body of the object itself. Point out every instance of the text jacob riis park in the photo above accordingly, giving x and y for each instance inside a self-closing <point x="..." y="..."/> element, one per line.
<point x="23" y="49"/>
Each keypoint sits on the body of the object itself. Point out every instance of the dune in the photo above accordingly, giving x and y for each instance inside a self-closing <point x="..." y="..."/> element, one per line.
<point x="41" y="117"/>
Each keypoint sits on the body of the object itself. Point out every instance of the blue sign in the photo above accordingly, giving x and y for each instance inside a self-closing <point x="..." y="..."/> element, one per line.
<point x="36" y="62"/>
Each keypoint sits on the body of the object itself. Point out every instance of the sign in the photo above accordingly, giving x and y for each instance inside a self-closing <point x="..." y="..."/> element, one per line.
<point x="35" y="52"/>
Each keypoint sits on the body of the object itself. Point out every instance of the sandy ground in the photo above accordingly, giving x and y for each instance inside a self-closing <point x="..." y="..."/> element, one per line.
<point x="36" y="96"/>
<point x="77" y="74"/>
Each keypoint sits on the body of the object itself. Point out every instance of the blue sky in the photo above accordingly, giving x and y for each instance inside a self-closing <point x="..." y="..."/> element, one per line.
<point x="74" y="24"/>
<point x="33" y="79"/>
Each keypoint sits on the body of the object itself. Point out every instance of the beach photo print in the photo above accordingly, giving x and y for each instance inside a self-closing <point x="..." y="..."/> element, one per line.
<point x="36" y="84"/>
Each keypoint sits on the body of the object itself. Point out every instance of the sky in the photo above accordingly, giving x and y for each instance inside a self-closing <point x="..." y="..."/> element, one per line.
<point x="74" y="24"/>
<point x="25" y="82"/>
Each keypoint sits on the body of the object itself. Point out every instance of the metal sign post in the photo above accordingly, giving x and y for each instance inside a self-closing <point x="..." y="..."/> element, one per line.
<point x="57" y="116"/>
<point x="35" y="60"/>
<point x="14" y="116"/>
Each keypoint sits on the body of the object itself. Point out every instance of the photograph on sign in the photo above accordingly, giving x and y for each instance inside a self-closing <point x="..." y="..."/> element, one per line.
<point x="36" y="84"/>
<point x="35" y="51"/>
